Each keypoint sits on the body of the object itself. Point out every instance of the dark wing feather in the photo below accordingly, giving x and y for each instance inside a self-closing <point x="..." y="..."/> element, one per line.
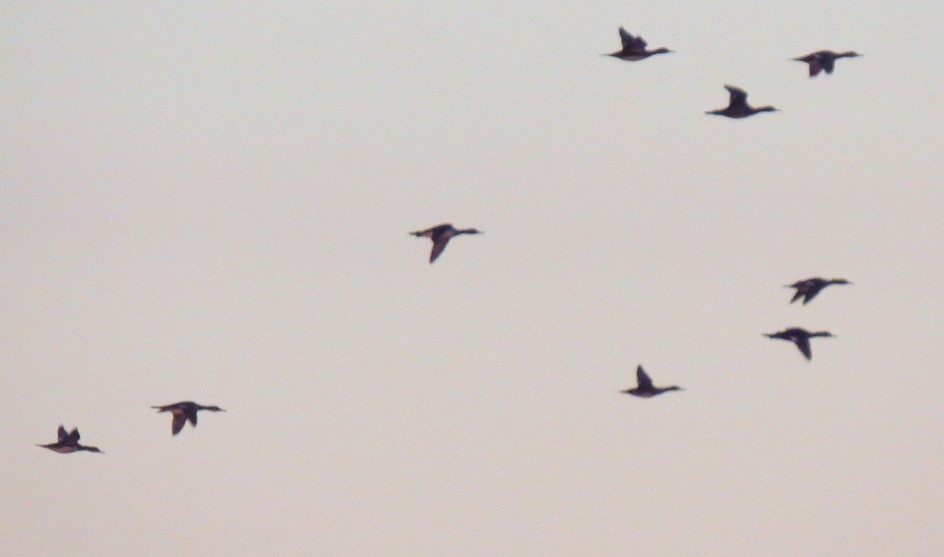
<point x="631" y="43"/>
<point x="74" y="436"/>
<point x="645" y="382"/>
<point x="178" y="422"/>
<point x="626" y="38"/>
<point x="63" y="435"/>
<point x="828" y="64"/>
<point x="815" y="66"/>
<point x="803" y="343"/>
<point x="810" y="294"/>
<point x="438" y="246"/>
<point x="738" y="95"/>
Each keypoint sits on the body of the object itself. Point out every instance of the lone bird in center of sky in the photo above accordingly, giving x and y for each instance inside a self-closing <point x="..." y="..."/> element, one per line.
<point x="184" y="411"/>
<point x="738" y="107"/>
<point x="68" y="442"/>
<point x="825" y="60"/>
<point x="800" y="337"/>
<point x="634" y="48"/>
<point x="440" y="235"/>
<point x="644" y="387"/>
<point x="809" y="288"/>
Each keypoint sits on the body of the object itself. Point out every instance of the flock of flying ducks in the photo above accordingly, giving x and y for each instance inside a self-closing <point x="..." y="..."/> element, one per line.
<point x="634" y="49"/>
<point x="806" y="289"/>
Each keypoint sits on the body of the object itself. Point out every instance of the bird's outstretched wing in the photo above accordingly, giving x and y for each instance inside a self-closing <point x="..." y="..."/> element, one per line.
<point x="645" y="382"/>
<point x="438" y="246"/>
<point x="803" y="344"/>
<point x="815" y="67"/>
<point x="738" y="95"/>
<point x="631" y="43"/>
<point x="178" y="422"/>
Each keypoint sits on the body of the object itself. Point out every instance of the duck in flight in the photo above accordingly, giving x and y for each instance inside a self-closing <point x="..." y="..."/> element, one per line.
<point x="440" y="235"/>
<point x="183" y="411"/>
<point x="809" y="288"/>
<point x="824" y="60"/>
<point x="644" y="387"/>
<point x="69" y="442"/>
<point x="634" y="48"/>
<point x="800" y="337"/>
<point x="737" y="105"/>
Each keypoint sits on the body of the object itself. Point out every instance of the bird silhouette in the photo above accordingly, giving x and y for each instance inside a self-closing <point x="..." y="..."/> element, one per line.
<point x="634" y="48"/>
<point x="68" y="442"/>
<point x="800" y="337"/>
<point x="824" y="60"/>
<point x="809" y="288"/>
<point x="440" y="235"/>
<point x="183" y="411"/>
<point x="644" y="387"/>
<point x="737" y="105"/>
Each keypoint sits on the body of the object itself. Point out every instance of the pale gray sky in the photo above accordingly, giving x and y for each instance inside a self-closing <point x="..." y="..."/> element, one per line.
<point x="210" y="201"/>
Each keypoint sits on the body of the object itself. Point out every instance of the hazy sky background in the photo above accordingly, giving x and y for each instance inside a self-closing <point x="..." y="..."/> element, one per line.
<point x="210" y="201"/>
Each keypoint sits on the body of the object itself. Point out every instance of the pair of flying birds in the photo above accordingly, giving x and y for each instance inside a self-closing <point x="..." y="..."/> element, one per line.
<point x="807" y="290"/>
<point x="634" y="49"/>
<point x="68" y="442"/>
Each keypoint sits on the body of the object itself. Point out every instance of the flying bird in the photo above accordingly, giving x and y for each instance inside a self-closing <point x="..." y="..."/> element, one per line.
<point x="634" y="48"/>
<point x="440" y="235"/>
<point x="183" y="411"/>
<point x="800" y="337"/>
<point x="68" y="442"/>
<point x="737" y="105"/>
<point x="644" y="387"/>
<point x="809" y="288"/>
<point x="825" y="60"/>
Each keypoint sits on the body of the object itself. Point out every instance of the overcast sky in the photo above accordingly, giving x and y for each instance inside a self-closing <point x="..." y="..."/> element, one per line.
<point x="210" y="201"/>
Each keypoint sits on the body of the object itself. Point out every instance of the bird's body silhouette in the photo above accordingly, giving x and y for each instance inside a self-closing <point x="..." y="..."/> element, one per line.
<point x="809" y="288"/>
<point x="183" y="411"/>
<point x="824" y="60"/>
<point x="68" y="442"/>
<point x="800" y="337"/>
<point x="644" y="387"/>
<point x="634" y="48"/>
<point x="737" y="105"/>
<point x="440" y="235"/>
